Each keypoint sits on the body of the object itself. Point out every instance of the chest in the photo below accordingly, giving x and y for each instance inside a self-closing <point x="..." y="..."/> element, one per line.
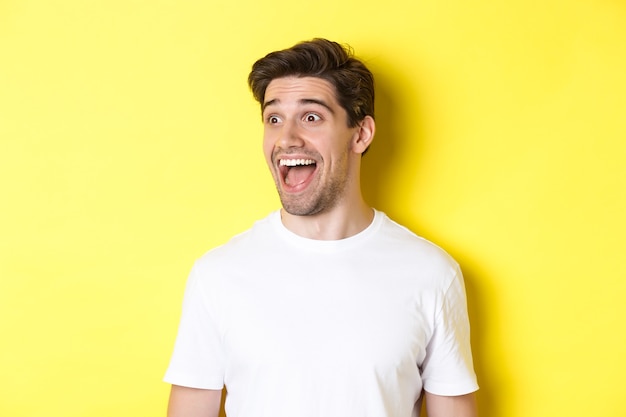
<point x="318" y="320"/>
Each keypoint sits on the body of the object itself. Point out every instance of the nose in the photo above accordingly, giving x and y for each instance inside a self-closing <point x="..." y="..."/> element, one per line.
<point x="290" y="135"/>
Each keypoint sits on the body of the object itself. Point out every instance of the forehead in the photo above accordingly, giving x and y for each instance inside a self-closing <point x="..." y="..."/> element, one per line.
<point x="298" y="88"/>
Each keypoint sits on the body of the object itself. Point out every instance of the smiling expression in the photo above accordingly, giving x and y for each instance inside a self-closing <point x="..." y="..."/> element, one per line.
<point x="308" y="144"/>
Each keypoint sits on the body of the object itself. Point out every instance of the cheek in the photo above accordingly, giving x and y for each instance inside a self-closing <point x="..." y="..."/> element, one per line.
<point x="268" y="148"/>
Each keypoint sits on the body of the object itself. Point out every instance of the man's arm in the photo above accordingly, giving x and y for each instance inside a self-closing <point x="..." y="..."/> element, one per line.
<point x="193" y="402"/>
<point x="452" y="406"/>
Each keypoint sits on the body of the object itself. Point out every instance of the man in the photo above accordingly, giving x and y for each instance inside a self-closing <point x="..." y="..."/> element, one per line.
<point x="325" y="308"/>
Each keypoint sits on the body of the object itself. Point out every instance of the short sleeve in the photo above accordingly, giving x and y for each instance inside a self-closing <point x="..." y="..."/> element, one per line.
<point x="198" y="359"/>
<point x="448" y="368"/>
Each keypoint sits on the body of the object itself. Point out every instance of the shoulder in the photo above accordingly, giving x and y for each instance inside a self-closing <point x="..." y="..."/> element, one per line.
<point x="405" y="252"/>
<point x="409" y="244"/>
<point x="245" y="245"/>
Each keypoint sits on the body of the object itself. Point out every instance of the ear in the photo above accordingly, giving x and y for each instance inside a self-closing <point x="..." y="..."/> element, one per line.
<point x="364" y="135"/>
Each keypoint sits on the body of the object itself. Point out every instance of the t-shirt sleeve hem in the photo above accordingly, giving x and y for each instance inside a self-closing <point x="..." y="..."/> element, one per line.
<point x="186" y="381"/>
<point x="451" y="389"/>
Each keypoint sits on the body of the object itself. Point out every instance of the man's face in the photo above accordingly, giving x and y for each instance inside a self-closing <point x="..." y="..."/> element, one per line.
<point x="307" y="144"/>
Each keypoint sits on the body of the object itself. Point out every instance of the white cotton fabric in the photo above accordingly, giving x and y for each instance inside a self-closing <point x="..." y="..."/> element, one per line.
<point x="301" y="327"/>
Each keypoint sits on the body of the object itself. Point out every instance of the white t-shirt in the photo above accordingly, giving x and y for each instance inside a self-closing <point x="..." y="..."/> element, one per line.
<point x="301" y="327"/>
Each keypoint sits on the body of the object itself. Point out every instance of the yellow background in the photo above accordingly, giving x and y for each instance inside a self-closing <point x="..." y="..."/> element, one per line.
<point x="130" y="145"/>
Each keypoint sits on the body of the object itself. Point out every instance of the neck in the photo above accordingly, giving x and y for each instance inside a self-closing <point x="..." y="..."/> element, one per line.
<point x="338" y="223"/>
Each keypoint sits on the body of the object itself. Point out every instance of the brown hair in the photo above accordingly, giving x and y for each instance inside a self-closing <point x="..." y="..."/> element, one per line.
<point x="321" y="58"/>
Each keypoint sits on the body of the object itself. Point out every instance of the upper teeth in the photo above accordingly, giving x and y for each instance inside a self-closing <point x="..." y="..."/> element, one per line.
<point x="294" y="162"/>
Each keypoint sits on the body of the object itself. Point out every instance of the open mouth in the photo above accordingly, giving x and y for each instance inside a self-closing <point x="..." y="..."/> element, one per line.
<point x="296" y="173"/>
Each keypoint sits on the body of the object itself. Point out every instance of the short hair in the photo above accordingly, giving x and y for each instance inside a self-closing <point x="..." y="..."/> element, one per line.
<point x="321" y="58"/>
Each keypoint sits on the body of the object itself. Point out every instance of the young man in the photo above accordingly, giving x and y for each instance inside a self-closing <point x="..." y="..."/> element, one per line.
<point x="326" y="308"/>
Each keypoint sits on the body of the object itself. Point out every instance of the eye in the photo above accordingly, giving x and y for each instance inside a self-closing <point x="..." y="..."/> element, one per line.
<point x="312" y="117"/>
<point x="273" y="119"/>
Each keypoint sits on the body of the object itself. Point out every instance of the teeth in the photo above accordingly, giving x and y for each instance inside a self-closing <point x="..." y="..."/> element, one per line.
<point x="296" y="162"/>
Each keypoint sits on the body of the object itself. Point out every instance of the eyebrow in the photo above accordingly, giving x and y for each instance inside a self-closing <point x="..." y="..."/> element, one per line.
<point x="301" y="102"/>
